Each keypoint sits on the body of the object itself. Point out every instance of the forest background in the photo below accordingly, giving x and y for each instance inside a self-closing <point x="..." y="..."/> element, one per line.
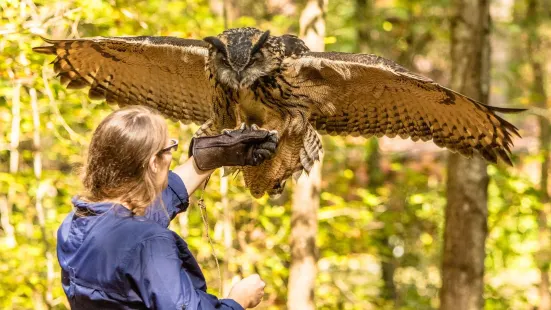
<point x="382" y="201"/>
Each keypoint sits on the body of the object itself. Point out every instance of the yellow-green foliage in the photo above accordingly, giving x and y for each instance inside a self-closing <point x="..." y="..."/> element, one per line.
<point x="398" y="220"/>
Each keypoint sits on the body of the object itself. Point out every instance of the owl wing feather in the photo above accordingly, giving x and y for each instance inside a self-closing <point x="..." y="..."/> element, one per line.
<point x="356" y="94"/>
<point x="164" y="73"/>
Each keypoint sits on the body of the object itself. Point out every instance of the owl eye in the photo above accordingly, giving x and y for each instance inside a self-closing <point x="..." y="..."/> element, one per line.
<point x="256" y="57"/>
<point x="225" y="61"/>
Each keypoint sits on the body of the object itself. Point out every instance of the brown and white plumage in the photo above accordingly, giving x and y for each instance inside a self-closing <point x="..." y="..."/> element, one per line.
<point x="372" y="96"/>
<point x="245" y="75"/>
<point x="164" y="73"/>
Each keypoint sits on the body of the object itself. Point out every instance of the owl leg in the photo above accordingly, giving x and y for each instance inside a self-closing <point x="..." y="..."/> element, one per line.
<point x="208" y="128"/>
<point x="244" y="126"/>
<point x="237" y="121"/>
<point x="228" y="130"/>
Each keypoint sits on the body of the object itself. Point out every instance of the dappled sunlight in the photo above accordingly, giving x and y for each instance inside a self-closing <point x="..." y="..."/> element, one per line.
<point x="382" y="201"/>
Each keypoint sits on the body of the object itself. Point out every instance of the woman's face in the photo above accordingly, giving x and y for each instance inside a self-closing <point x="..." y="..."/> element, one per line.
<point x="164" y="158"/>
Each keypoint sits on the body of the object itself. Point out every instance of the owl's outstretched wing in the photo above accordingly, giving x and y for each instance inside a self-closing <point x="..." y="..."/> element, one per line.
<point x="367" y="95"/>
<point x="164" y="73"/>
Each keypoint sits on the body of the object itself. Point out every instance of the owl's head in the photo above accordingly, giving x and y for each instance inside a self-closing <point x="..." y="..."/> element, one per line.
<point x="238" y="57"/>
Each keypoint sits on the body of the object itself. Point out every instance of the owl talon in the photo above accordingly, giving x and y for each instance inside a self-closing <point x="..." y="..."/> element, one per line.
<point x="243" y="126"/>
<point x="274" y="136"/>
<point x="254" y="127"/>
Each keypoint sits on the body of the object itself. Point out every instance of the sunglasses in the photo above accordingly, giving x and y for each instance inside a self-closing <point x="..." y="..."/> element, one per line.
<point x="172" y="147"/>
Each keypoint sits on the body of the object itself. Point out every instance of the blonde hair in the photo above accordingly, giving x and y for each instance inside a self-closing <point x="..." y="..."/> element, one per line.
<point x="117" y="168"/>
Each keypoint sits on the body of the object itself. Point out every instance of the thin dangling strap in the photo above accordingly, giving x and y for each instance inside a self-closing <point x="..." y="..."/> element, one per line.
<point x="203" y="209"/>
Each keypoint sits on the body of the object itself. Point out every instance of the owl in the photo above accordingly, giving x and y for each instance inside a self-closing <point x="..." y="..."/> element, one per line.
<point x="246" y="76"/>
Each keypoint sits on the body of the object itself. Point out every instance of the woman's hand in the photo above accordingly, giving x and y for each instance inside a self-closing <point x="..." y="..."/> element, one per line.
<point x="248" y="292"/>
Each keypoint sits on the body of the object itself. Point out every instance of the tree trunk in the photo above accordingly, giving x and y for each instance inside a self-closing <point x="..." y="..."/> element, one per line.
<point x="230" y="11"/>
<point x="304" y="216"/>
<point x="466" y="213"/>
<point x="312" y="24"/>
<point x="304" y="254"/>
<point x="6" y="204"/>
<point x="7" y="227"/>
<point x="536" y="56"/>
<point x="40" y="192"/>
<point x="364" y="20"/>
<point x="544" y="234"/>
<point x="382" y="236"/>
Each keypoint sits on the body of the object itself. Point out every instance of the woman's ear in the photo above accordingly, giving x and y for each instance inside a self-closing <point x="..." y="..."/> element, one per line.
<point x="153" y="164"/>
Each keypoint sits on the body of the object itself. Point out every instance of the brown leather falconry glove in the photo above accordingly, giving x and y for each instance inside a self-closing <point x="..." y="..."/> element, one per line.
<point x="240" y="147"/>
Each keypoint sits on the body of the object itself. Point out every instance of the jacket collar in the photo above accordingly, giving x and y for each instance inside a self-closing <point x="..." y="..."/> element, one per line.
<point x="97" y="208"/>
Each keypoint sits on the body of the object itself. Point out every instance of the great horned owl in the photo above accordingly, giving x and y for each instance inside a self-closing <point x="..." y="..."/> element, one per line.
<point x="245" y="75"/>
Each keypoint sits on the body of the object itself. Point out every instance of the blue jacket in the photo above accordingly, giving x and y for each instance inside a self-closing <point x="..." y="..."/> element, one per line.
<point x="113" y="260"/>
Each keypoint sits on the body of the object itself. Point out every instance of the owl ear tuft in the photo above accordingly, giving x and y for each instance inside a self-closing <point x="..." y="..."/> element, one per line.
<point x="260" y="42"/>
<point x="214" y="41"/>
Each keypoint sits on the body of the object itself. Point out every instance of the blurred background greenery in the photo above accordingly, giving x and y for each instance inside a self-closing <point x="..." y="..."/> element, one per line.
<point x="372" y="218"/>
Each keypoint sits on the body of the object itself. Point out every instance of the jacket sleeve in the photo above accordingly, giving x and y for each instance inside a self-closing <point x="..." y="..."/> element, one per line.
<point x="174" y="199"/>
<point x="163" y="283"/>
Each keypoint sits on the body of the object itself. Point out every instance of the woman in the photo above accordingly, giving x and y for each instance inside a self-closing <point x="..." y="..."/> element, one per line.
<point x="115" y="249"/>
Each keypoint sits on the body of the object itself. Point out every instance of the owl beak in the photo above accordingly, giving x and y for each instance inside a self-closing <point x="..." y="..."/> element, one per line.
<point x="239" y="78"/>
